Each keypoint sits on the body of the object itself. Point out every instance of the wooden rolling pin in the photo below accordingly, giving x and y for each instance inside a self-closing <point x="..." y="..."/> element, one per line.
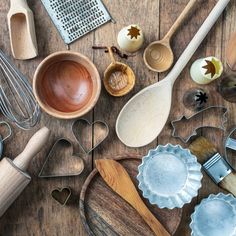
<point x="13" y="176"/>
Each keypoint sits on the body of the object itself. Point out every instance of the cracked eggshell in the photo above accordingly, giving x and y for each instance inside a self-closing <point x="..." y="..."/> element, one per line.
<point x="130" y="38"/>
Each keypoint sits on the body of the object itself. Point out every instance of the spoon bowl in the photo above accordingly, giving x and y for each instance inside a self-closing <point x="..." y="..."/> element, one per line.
<point x="158" y="56"/>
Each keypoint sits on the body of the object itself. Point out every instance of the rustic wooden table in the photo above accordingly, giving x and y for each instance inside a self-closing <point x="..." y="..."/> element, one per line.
<point x="34" y="212"/>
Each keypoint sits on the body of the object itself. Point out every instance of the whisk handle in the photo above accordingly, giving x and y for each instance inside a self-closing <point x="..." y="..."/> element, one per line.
<point x="35" y="144"/>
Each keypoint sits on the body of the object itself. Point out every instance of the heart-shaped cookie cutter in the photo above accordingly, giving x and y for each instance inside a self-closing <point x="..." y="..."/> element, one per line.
<point x="77" y="130"/>
<point x="61" y="142"/>
<point x="61" y="195"/>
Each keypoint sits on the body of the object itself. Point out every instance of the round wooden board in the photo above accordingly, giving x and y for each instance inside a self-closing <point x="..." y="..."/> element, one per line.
<point x="103" y="212"/>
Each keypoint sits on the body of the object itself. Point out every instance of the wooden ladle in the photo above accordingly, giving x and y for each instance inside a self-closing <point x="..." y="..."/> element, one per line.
<point x="158" y="56"/>
<point x="119" y="78"/>
<point x="22" y="30"/>
<point x="144" y="115"/>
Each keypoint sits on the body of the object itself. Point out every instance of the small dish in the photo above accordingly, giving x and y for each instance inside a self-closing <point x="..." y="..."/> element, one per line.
<point x="169" y="176"/>
<point x="215" y="216"/>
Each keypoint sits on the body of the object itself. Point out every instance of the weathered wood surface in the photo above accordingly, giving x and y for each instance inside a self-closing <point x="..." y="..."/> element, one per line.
<point x="101" y="217"/>
<point x="35" y="213"/>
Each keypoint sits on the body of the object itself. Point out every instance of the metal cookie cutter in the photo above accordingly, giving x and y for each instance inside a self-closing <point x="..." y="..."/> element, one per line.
<point x="230" y="142"/>
<point x="81" y="128"/>
<point x="186" y="127"/>
<point x="2" y="139"/>
<point x="66" y="163"/>
<point x="61" y="195"/>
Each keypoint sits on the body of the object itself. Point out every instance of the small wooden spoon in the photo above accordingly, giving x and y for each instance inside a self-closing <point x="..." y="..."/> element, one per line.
<point x="158" y="56"/>
<point x="22" y="30"/>
<point x="119" y="79"/>
<point x="231" y="52"/>
<point x="119" y="180"/>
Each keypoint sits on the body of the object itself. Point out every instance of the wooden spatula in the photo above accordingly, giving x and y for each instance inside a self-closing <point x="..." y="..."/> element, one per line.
<point x="119" y="180"/>
<point x="231" y="52"/>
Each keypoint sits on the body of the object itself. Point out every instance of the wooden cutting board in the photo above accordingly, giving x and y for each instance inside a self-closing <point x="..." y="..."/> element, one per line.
<point x="103" y="212"/>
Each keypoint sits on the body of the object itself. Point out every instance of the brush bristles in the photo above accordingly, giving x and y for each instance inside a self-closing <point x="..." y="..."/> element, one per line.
<point x="203" y="149"/>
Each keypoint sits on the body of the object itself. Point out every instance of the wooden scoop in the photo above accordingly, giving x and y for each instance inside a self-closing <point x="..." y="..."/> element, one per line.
<point x="231" y="52"/>
<point x="158" y="56"/>
<point x="119" y="180"/>
<point x="119" y="79"/>
<point x="22" y="30"/>
<point x="144" y="116"/>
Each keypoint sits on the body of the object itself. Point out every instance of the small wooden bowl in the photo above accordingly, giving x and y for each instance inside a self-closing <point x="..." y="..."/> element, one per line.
<point x="119" y="79"/>
<point x="66" y="85"/>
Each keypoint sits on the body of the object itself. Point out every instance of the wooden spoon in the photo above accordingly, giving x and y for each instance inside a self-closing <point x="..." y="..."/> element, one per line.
<point x="144" y="116"/>
<point x="22" y="30"/>
<point x="119" y="180"/>
<point x="231" y="52"/>
<point x="158" y="56"/>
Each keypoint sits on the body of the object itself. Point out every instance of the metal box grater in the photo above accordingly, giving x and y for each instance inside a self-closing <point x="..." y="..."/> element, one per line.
<point x="75" y="18"/>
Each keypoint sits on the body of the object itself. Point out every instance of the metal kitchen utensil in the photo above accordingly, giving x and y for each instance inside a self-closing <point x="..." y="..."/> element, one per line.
<point x="195" y="99"/>
<point x="72" y="166"/>
<point x="215" y="216"/>
<point x="227" y="88"/>
<point x="61" y="195"/>
<point x="100" y="131"/>
<point x="230" y="142"/>
<point x="2" y="139"/>
<point x="75" y="18"/>
<point x="201" y="119"/>
<point x="169" y="176"/>
<point x="143" y="117"/>
<point x="17" y="101"/>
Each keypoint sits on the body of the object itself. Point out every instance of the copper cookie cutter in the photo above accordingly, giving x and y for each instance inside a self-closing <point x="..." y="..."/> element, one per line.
<point x="100" y="131"/>
<point x="199" y="122"/>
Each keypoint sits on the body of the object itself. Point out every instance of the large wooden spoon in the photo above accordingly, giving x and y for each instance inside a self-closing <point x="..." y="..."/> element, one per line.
<point x="22" y="30"/>
<point x="119" y="180"/>
<point x="144" y="116"/>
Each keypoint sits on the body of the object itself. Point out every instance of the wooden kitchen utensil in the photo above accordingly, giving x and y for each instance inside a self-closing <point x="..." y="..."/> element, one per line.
<point x="215" y="166"/>
<point x="119" y="78"/>
<point x="144" y="116"/>
<point x="231" y="52"/>
<point x="13" y="176"/>
<point x="22" y="30"/>
<point x="119" y="180"/>
<point x="101" y="218"/>
<point x="158" y="56"/>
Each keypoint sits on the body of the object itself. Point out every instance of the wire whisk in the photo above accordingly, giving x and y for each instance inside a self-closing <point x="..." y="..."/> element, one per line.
<point x="17" y="101"/>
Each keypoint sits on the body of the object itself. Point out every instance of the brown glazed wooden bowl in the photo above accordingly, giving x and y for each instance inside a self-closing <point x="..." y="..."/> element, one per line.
<point x="66" y="85"/>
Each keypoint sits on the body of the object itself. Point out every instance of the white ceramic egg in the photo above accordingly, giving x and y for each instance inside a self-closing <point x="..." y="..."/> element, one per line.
<point x="130" y="38"/>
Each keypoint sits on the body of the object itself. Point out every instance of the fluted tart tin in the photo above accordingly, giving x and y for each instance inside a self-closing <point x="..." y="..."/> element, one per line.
<point x="169" y="176"/>
<point x="215" y="216"/>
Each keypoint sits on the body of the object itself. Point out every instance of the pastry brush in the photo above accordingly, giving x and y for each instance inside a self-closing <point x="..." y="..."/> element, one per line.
<point x="214" y="164"/>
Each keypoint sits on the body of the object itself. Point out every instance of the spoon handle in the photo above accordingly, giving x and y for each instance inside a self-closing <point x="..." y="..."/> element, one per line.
<point x="111" y="55"/>
<point x="197" y="39"/>
<point x="180" y="19"/>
